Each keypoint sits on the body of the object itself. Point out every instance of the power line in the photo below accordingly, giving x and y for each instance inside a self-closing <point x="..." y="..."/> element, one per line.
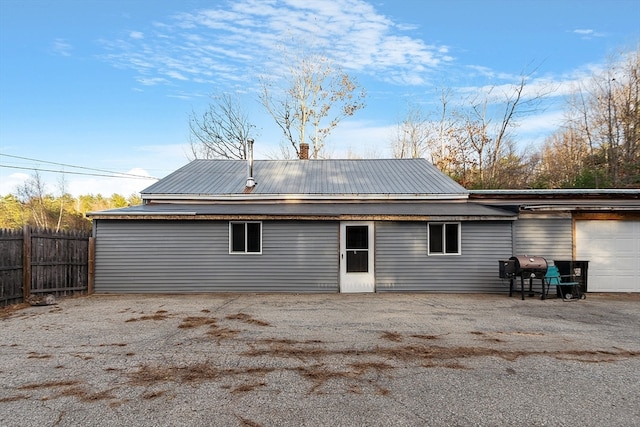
<point x="129" y="176"/>
<point x="112" y="173"/>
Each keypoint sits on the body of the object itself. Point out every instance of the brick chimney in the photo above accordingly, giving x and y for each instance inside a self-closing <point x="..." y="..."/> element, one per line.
<point x="304" y="151"/>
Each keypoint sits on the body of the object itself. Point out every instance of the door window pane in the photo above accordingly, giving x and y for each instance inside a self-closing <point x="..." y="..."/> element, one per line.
<point x="357" y="261"/>
<point x="357" y="248"/>
<point x="357" y="237"/>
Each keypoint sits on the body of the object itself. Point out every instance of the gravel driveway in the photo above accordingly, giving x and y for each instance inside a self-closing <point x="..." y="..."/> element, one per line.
<point x="321" y="360"/>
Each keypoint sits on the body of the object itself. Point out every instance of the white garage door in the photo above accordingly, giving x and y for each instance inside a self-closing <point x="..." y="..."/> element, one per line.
<point x="613" y="251"/>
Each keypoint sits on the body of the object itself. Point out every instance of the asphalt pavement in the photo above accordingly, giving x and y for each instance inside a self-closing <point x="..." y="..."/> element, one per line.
<point x="321" y="360"/>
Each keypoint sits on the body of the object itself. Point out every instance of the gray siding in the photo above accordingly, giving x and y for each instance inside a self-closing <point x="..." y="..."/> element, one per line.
<point x="402" y="263"/>
<point x="550" y="238"/>
<point x="193" y="256"/>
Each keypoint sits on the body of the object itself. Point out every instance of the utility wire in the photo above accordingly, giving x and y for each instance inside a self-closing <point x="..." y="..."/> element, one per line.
<point x="114" y="174"/>
<point x="126" y="176"/>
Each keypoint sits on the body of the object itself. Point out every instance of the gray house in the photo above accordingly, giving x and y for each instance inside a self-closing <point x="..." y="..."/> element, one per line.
<point x="303" y="226"/>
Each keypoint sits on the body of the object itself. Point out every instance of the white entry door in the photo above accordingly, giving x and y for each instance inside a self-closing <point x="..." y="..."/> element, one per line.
<point x="356" y="257"/>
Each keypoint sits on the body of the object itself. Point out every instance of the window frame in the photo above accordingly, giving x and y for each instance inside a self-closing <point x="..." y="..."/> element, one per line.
<point x="246" y="238"/>
<point x="444" y="238"/>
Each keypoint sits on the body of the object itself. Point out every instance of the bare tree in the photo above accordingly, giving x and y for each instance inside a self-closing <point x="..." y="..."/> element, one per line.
<point x="32" y="195"/>
<point x="412" y="135"/>
<point x="62" y="186"/>
<point x="432" y="135"/>
<point x="470" y="140"/>
<point x="310" y="100"/>
<point x="222" y="131"/>
<point x="605" y="112"/>
<point x="487" y="124"/>
<point x="560" y="160"/>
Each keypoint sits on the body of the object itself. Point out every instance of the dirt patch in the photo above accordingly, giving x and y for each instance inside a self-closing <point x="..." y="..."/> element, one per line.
<point x="14" y="398"/>
<point x="247" y="319"/>
<point x="197" y="321"/>
<point x="154" y="394"/>
<point x="158" y="315"/>
<point x="320" y="374"/>
<point x="85" y="395"/>
<point x="71" y="388"/>
<point x="34" y="355"/>
<point x="245" y="388"/>
<point x="245" y="422"/>
<point x="216" y="332"/>
<point x="11" y="310"/>
<point x="219" y="334"/>
<point x="418" y="352"/>
<point x="147" y="375"/>
<point x="391" y="336"/>
<point x="287" y="349"/>
<point x="425" y="337"/>
<point x="368" y="366"/>
<point x="199" y="372"/>
<point x="49" y="384"/>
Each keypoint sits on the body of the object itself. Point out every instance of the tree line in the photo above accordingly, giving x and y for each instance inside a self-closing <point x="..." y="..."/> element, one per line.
<point x="40" y="209"/>
<point x="472" y="138"/>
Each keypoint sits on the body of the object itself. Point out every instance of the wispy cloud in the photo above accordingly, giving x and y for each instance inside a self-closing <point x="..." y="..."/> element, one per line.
<point x="235" y="42"/>
<point x="61" y="47"/>
<point x="588" y="34"/>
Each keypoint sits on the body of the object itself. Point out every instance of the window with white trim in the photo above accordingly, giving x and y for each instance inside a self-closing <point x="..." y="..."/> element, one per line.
<point x="444" y="238"/>
<point x="245" y="237"/>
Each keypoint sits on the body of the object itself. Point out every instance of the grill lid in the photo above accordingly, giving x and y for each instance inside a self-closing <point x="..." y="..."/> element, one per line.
<point x="529" y="263"/>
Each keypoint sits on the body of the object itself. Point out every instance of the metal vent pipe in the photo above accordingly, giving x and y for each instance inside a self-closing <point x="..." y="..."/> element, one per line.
<point x="250" y="181"/>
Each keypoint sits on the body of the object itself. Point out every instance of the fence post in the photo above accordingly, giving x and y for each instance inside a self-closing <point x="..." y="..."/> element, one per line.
<point x="26" y="262"/>
<point x="92" y="264"/>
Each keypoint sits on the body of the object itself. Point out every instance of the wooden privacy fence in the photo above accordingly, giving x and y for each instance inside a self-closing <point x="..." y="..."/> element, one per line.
<point x="36" y="261"/>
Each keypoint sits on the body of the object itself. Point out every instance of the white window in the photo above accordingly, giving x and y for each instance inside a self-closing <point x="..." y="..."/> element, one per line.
<point x="245" y="237"/>
<point x="444" y="238"/>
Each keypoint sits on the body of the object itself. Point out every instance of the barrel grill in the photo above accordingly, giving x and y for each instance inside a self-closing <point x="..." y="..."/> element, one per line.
<point x="525" y="267"/>
<point x="529" y="266"/>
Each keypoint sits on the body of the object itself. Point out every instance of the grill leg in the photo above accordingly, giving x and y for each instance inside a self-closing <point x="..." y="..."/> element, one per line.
<point x="522" y="287"/>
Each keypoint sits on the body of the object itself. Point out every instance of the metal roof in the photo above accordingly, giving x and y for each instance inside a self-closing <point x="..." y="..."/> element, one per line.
<point x="425" y="210"/>
<point x="389" y="178"/>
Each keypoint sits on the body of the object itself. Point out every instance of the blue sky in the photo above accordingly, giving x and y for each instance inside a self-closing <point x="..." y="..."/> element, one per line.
<point x="110" y="84"/>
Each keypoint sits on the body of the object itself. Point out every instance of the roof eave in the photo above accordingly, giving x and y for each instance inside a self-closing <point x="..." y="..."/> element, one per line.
<point x="308" y="197"/>
<point x="145" y="216"/>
